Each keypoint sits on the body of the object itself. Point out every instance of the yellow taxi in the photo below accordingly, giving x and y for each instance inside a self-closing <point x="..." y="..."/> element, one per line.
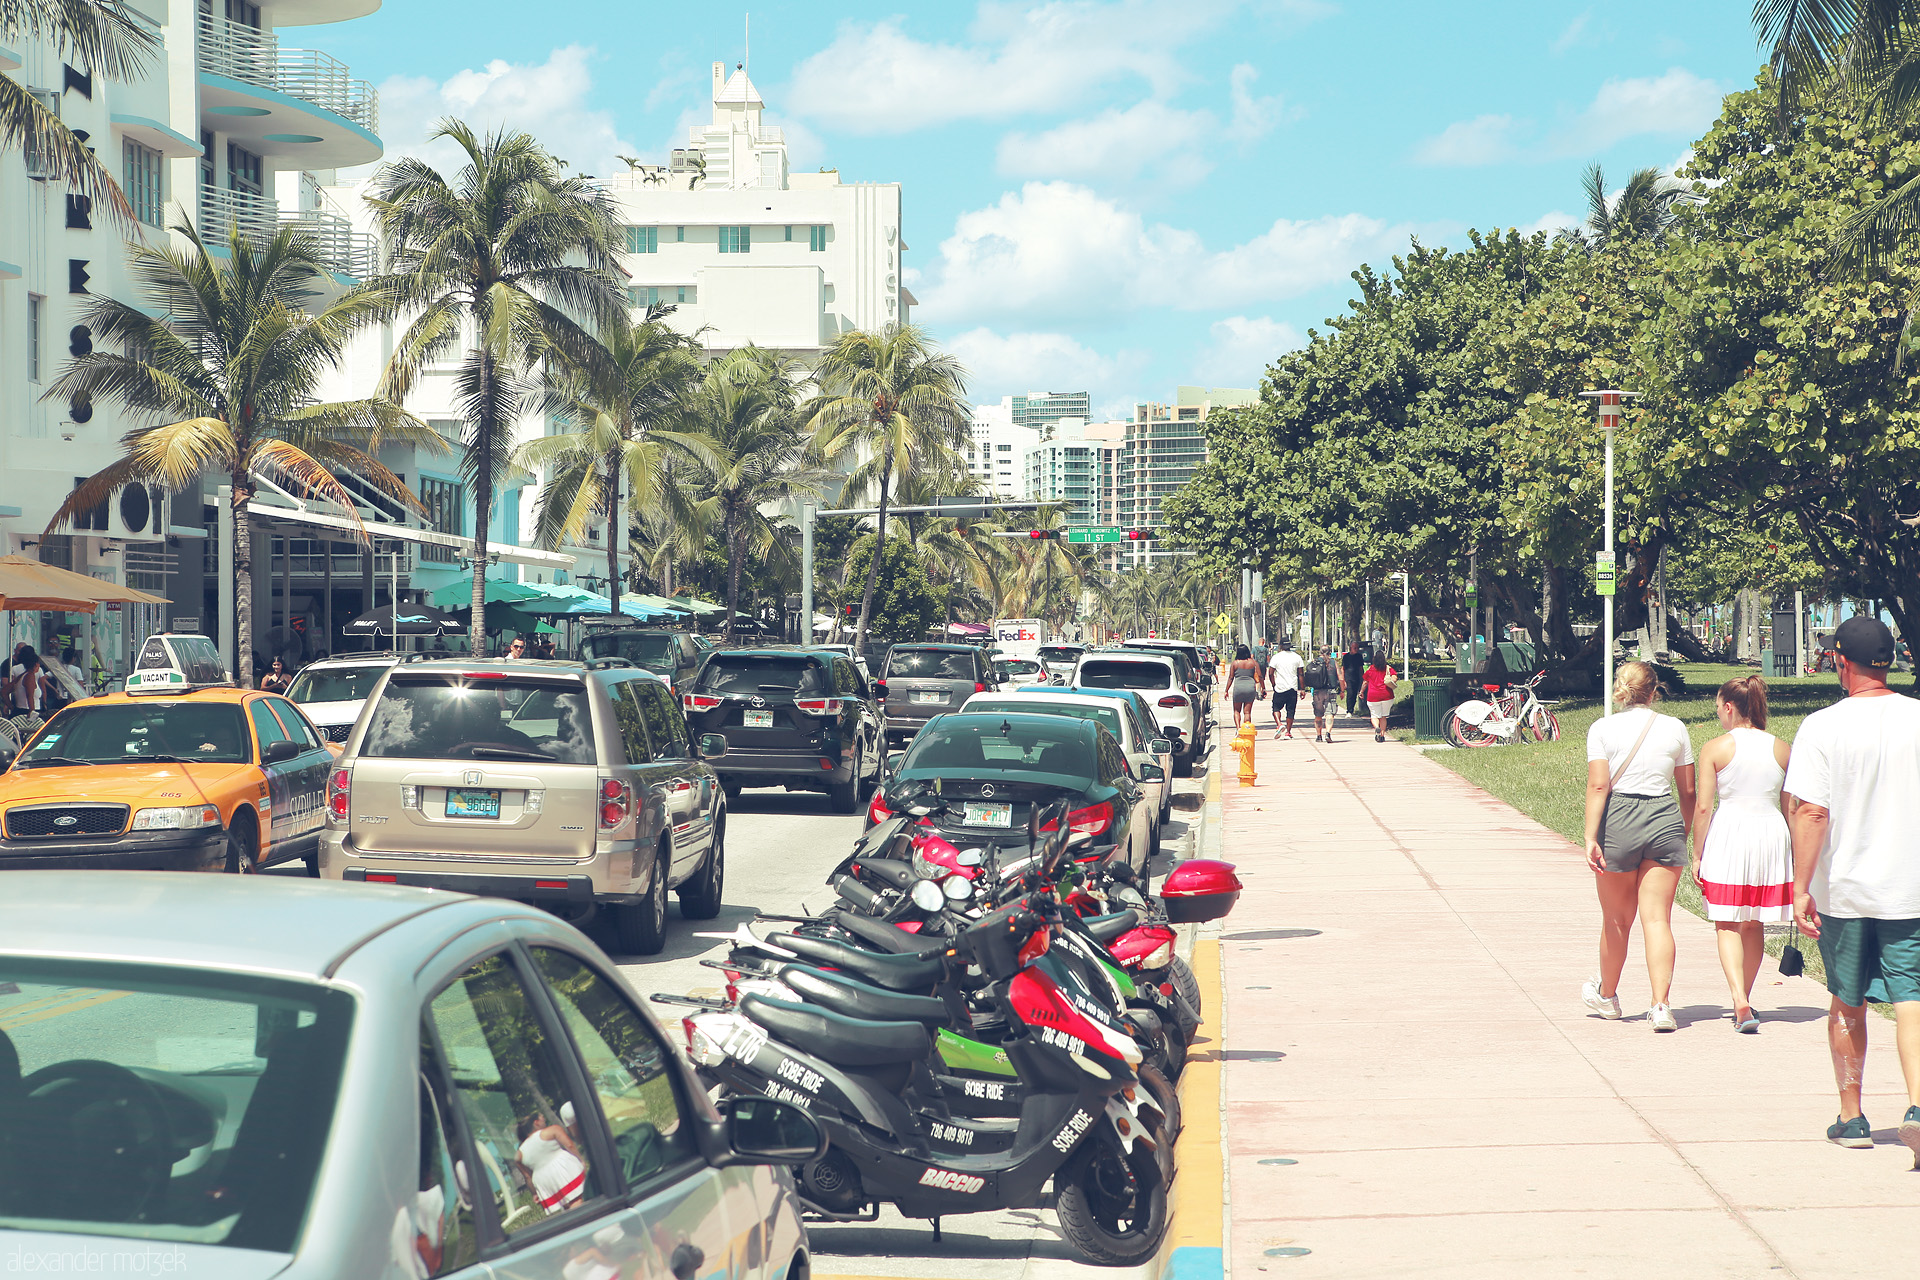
<point x="185" y="777"/>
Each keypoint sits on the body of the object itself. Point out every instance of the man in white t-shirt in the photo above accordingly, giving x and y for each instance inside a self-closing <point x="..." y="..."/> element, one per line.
<point x="1856" y="865"/>
<point x="1283" y="676"/>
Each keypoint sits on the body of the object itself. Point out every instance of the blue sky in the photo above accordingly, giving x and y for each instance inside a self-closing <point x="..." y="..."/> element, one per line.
<point x="1110" y="195"/>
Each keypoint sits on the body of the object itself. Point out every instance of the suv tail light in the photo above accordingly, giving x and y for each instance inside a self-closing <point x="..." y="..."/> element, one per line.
<point x="978" y="687"/>
<point x="1173" y="700"/>
<point x="339" y="794"/>
<point x="700" y="702"/>
<point x="877" y="810"/>
<point x="818" y="706"/>
<point x="616" y="803"/>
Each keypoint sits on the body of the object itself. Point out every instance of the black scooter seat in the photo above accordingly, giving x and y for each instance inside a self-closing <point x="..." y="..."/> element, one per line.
<point x="845" y="1042"/>
<point x="895" y="973"/>
<point x="889" y="938"/>
<point x="1104" y="929"/>
<point x="837" y="993"/>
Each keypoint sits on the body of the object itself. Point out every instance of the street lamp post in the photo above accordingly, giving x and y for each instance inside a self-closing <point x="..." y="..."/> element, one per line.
<point x="1406" y="622"/>
<point x="1611" y="402"/>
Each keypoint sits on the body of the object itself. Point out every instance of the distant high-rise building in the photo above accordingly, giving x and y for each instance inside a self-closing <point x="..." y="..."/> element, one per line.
<point x="1042" y="409"/>
<point x="1076" y="466"/>
<point x="1164" y="445"/>
<point x="994" y="449"/>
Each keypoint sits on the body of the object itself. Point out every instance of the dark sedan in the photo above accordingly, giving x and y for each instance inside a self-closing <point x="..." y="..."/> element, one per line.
<point x="803" y="719"/>
<point x="979" y="776"/>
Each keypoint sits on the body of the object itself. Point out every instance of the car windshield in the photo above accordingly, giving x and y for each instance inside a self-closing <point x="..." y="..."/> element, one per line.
<point x="461" y="717"/>
<point x="1108" y="716"/>
<point x="169" y="1104"/>
<point x="336" y="684"/>
<point x="970" y="744"/>
<point x="118" y="732"/>
<point x="1102" y="674"/>
<point x="654" y="650"/>
<point x="749" y="673"/>
<point x="932" y="664"/>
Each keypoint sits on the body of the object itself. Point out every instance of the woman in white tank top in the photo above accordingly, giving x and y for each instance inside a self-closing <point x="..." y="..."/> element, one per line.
<point x="1745" y="865"/>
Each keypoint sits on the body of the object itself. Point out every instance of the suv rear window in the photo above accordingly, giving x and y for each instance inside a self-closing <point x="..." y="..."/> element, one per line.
<point x="931" y="664"/>
<point x="1059" y="652"/>
<point x="461" y="718"/>
<point x="1103" y="674"/>
<point x="748" y="673"/>
<point x="336" y="684"/>
<point x="1108" y="716"/>
<point x="656" y="651"/>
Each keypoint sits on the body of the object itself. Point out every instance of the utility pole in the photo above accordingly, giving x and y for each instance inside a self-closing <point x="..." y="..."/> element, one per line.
<point x="807" y="510"/>
<point x="1610" y="405"/>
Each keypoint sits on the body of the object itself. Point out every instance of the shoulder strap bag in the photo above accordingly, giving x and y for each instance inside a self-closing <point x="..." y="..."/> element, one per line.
<point x="1645" y="729"/>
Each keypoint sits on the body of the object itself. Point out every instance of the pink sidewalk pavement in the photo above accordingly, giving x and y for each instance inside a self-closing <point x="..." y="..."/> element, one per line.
<point x="1453" y="1110"/>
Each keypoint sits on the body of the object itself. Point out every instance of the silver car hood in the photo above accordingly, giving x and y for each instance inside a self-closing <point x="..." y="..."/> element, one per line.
<point x="60" y="1252"/>
<point x="331" y="713"/>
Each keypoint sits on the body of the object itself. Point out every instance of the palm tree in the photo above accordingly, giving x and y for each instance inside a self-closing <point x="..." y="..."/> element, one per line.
<point x="107" y="37"/>
<point x="228" y="361"/>
<point x="747" y="413"/>
<point x="524" y="252"/>
<point x="647" y="370"/>
<point x="1643" y="209"/>
<point x="889" y="394"/>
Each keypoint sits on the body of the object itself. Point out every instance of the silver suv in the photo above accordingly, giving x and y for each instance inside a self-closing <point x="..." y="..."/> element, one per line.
<point x="333" y="690"/>
<point x="556" y="783"/>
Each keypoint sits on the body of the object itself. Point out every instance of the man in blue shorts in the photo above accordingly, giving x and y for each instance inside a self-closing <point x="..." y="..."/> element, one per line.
<point x="1856" y="866"/>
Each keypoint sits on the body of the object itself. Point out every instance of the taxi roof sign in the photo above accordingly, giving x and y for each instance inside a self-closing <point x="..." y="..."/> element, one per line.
<point x="177" y="663"/>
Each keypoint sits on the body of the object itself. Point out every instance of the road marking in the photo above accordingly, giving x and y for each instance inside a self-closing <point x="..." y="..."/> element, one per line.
<point x="53" y="1007"/>
<point x="1193" y="1248"/>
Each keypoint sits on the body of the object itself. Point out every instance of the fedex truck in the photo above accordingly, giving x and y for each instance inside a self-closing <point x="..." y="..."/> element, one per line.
<point x="1019" y="637"/>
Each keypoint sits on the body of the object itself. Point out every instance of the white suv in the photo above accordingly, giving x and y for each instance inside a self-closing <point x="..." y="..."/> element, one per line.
<point x="1157" y="677"/>
<point x="332" y="690"/>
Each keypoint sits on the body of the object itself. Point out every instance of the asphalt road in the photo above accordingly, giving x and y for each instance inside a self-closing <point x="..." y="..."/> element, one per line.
<point x="780" y="847"/>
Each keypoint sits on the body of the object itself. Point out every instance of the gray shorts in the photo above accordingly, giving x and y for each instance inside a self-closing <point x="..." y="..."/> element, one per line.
<point x="1637" y="829"/>
<point x="1324" y="701"/>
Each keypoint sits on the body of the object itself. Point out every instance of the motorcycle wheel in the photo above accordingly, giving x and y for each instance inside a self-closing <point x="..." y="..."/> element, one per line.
<point x="1164" y="1095"/>
<point x="1185" y="983"/>
<point x="1114" y="1207"/>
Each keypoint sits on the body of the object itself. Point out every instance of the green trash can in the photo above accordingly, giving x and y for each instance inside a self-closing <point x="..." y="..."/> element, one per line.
<point x="1430" y="705"/>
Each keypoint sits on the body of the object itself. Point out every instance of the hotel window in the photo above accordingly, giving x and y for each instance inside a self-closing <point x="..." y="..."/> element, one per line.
<point x="689" y="293"/>
<point x="141" y="182"/>
<point x="789" y="235"/>
<point x="33" y="338"/>
<point x="243" y="170"/>
<point x="736" y="239"/>
<point x="446" y="503"/>
<point x="643" y="239"/>
<point x="680" y="234"/>
<point x="817" y="239"/>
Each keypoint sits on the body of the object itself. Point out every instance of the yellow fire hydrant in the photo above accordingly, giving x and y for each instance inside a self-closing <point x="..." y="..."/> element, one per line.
<point x="1243" y="744"/>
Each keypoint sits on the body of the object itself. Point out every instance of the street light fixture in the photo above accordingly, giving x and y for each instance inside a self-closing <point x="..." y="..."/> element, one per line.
<point x="1406" y="622"/>
<point x="1611" y="403"/>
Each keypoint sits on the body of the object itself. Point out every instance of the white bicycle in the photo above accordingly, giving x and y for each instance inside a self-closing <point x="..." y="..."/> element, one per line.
<point x="1517" y="715"/>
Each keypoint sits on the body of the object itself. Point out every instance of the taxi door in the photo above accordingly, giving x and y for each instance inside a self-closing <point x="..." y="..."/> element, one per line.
<point x="291" y="826"/>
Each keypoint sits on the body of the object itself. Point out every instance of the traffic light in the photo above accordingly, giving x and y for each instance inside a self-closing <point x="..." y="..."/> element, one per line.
<point x="1043" y="533"/>
<point x="1141" y="535"/>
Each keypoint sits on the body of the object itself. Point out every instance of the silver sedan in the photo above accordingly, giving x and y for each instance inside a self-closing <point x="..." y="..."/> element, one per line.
<point x="254" y="1077"/>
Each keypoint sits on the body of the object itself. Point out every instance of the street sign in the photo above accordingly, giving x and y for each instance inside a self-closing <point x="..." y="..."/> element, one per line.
<point x="1603" y="572"/>
<point x="1473" y="594"/>
<point x="1099" y="533"/>
<point x="1222" y="622"/>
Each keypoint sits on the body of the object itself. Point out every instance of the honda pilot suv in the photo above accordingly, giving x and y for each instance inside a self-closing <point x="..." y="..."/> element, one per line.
<point x="803" y="719"/>
<point x="926" y="680"/>
<point x="554" y="783"/>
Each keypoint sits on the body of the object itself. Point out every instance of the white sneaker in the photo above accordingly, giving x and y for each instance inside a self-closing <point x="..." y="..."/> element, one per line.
<point x="1607" y="1007"/>
<point x="1661" y="1018"/>
<point x="1276" y="735"/>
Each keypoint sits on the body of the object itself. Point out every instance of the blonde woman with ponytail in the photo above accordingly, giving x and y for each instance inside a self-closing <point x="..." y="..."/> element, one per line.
<point x="1639" y="803"/>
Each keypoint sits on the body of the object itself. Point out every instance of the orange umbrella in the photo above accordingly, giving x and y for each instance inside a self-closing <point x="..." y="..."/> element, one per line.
<point x="29" y="584"/>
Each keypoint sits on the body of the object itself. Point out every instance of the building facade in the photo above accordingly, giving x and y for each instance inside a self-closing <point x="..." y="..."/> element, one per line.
<point x="1164" y="444"/>
<point x="1042" y="409"/>
<point x="995" y="450"/>
<point x="227" y="125"/>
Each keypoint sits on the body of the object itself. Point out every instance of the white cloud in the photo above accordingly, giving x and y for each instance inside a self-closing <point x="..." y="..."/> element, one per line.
<point x="1241" y="349"/>
<point x="1465" y="143"/>
<point x="1677" y="102"/>
<point x="1558" y="220"/>
<point x="1056" y="250"/>
<point x="1022" y="58"/>
<point x="1253" y="118"/>
<point x="1000" y="364"/>
<point x="1113" y="144"/>
<point x="1571" y="36"/>
<point x="548" y="100"/>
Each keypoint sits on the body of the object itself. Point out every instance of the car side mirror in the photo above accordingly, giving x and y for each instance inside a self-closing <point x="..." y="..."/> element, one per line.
<point x="713" y="746"/>
<point x="1152" y="773"/>
<point x="281" y="750"/>
<point x="768" y="1131"/>
<point x="1160" y="747"/>
<point x="1192" y="688"/>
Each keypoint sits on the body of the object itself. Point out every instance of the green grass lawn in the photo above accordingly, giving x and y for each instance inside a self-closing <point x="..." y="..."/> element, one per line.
<point x="1547" y="781"/>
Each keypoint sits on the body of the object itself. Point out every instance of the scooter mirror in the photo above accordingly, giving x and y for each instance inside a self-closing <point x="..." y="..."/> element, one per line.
<point x="958" y="888"/>
<point x="927" y="895"/>
<point x="970" y="857"/>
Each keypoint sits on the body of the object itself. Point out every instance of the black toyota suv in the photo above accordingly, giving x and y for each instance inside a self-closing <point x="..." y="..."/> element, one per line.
<point x="803" y="719"/>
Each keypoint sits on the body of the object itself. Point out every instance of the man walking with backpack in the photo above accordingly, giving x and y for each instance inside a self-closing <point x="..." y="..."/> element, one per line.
<point x="1326" y="681"/>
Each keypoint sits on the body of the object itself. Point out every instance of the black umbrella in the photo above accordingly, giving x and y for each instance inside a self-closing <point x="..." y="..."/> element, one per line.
<point x="413" y="620"/>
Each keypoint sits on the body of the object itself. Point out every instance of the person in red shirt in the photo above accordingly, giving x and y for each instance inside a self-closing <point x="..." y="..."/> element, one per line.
<point x="1379" y="681"/>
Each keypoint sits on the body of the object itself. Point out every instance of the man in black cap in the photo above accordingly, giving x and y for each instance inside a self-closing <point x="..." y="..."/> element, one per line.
<point x="1856" y="866"/>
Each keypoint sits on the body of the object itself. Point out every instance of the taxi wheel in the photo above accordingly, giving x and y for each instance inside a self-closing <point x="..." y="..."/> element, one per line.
<point x="243" y="848"/>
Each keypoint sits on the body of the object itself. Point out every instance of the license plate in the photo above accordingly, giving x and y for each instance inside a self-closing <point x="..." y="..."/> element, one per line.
<point x="472" y="804"/>
<point x="988" y="813"/>
<point x="759" y="720"/>
<point x="929" y="695"/>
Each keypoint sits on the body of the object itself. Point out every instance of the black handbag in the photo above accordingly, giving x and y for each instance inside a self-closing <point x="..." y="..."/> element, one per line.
<point x="1792" y="962"/>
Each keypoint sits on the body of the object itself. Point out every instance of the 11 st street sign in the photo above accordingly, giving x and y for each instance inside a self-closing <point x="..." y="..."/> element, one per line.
<point x="1097" y="534"/>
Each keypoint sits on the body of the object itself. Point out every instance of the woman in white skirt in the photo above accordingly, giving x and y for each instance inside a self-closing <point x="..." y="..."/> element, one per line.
<point x="1745" y="867"/>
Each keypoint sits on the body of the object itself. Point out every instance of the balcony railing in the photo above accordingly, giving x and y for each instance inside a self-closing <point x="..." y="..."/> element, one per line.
<point x="352" y="253"/>
<point x="242" y="53"/>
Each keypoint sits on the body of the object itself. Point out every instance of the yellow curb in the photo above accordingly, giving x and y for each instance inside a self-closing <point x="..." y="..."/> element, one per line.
<point x="1199" y="1193"/>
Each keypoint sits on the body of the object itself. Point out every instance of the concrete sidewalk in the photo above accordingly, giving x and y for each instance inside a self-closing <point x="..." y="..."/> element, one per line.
<point x="1413" y="1088"/>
